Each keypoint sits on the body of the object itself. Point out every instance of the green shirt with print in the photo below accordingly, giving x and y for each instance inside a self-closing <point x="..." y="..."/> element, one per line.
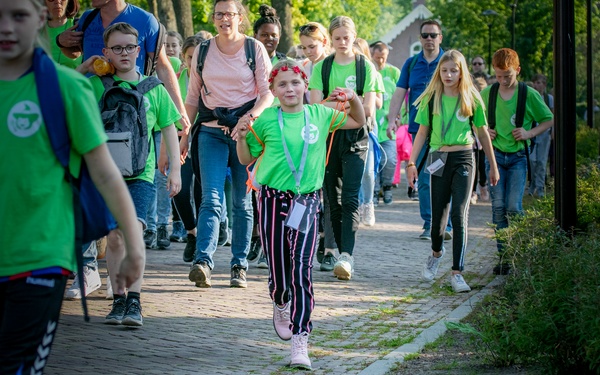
<point x="390" y="75"/>
<point x="175" y="63"/>
<point x="55" y="51"/>
<point x="345" y="76"/>
<point x="535" y="110"/>
<point x="160" y="113"/>
<point x="36" y="203"/>
<point x="273" y="170"/>
<point x="457" y="127"/>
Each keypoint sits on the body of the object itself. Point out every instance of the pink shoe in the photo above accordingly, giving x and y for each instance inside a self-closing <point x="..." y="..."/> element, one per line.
<point x="300" y="358"/>
<point x="282" y="322"/>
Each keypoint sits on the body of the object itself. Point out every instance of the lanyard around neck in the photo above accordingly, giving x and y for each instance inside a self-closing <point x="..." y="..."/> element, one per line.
<point x="445" y="126"/>
<point x="297" y="173"/>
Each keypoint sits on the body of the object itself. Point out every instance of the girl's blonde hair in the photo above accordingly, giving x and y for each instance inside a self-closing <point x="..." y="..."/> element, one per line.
<point x="285" y="65"/>
<point x="342" y="21"/>
<point x="42" y="38"/>
<point x="362" y="46"/>
<point x="318" y="32"/>
<point x="467" y="91"/>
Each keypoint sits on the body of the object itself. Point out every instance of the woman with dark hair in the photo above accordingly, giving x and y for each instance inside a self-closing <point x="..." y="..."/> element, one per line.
<point x="267" y="29"/>
<point x="61" y="18"/>
<point x="226" y="92"/>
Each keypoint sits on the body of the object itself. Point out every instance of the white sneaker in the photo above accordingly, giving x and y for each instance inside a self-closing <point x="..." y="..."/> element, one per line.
<point x="109" y="289"/>
<point x="484" y="193"/>
<point x="282" y="322"/>
<point x="92" y="281"/>
<point x="300" y="358"/>
<point x="432" y="266"/>
<point x="474" y="198"/>
<point x="369" y="214"/>
<point x="361" y="213"/>
<point x="459" y="284"/>
<point x="344" y="266"/>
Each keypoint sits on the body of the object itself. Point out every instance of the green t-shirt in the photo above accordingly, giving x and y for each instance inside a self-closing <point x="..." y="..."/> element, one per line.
<point x="273" y="169"/>
<point x="160" y="113"/>
<point x="345" y="76"/>
<point x="36" y="204"/>
<point x="390" y="75"/>
<point x="55" y="51"/>
<point x="506" y="110"/>
<point x="175" y="63"/>
<point x="458" y="126"/>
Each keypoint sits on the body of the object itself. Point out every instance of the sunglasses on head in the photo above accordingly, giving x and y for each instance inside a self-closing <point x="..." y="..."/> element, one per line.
<point x="429" y="35"/>
<point x="308" y="28"/>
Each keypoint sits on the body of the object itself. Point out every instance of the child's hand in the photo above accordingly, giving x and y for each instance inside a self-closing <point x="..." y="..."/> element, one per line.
<point x="342" y="94"/>
<point x="87" y="66"/>
<point x="183" y="148"/>
<point x="492" y="133"/>
<point x="242" y="127"/>
<point x="173" y="183"/>
<point x="412" y="174"/>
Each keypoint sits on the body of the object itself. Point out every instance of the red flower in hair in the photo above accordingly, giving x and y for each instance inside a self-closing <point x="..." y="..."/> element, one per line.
<point x="296" y="69"/>
<point x="284" y="68"/>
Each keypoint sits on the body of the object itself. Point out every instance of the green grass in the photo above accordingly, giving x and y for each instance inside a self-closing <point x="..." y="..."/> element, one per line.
<point x="397" y="342"/>
<point x="411" y="356"/>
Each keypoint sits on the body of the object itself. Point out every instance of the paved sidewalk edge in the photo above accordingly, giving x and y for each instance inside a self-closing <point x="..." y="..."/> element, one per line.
<point x="384" y="365"/>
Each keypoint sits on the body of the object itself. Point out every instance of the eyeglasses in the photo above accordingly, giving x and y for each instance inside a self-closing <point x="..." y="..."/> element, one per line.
<point x="308" y="28"/>
<point x="130" y="48"/>
<point x="429" y="35"/>
<point x="220" y="15"/>
<point x="478" y="63"/>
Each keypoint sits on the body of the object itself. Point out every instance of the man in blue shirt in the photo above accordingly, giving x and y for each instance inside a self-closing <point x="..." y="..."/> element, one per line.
<point x="414" y="78"/>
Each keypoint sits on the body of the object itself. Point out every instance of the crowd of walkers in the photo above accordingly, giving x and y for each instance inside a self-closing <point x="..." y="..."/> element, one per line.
<point x="280" y="157"/>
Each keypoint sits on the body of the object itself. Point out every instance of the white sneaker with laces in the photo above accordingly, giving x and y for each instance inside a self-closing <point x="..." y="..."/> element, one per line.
<point x="459" y="284"/>
<point x="282" y="322"/>
<point x="344" y="267"/>
<point x="92" y="281"/>
<point x="109" y="289"/>
<point x="368" y="214"/>
<point x="300" y="358"/>
<point x="432" y="266"/>
<point x="484" y="193"/>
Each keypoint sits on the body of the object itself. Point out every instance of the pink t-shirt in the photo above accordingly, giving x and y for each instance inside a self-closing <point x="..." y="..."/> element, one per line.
<point x="228" y="78"/>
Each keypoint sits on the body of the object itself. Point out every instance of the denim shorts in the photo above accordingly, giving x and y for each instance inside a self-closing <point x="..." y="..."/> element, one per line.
<point x="142" y="192"/>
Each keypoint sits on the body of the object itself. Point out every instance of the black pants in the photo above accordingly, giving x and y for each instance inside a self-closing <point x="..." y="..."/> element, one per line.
<point x="183" y="201"/>
<point x="343" y="177"/>
<point x="452" y="187"/>
<point x="29" y="312"/>
<point x="479" y="169"/>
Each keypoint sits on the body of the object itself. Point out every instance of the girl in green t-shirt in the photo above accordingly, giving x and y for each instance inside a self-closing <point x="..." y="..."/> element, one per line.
<point x="291" y="141"/>
<point x="61" y="18"/>
<point x="456" y="108"/>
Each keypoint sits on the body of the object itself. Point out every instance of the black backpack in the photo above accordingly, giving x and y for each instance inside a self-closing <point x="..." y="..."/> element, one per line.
<point x="124" y="116"/>
<point x="150" y="63"/>
<point x="520" y="114"/>
<point x="361" y="70"/>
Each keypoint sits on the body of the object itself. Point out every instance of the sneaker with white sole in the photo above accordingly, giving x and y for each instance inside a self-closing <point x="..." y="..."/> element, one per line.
<point x="282" y="322"/>
<point x="459" y="285"/>
<point x="447" y="235"/>
<point x="432" y="266"/>
<point x="426" y="235"/>
<point x="300" y="358"/>
<point x="344" y="267"/>
<point x="91" y="278"/>
<point x="387" y="195"/>
<point x="109" y="289"/>
<point x="115" y="317"/>
<point x="368" y="216"/>
<point x="133" y="313"/>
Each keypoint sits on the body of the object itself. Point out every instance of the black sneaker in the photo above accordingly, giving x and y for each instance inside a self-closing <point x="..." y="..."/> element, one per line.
<point x="133" y="313"/>
<point x="150" y="239"/>
<point x="413" y="194"/>
<point x="115" y="317"/>
<point x="190" y="248"/>
<point x="387" y="195"/>
<point x="255" y="249"/>
<point x="238" y="277"/>
<point x="502" y="269"/>
<point x="200" y="274"/>
<point x="375" y="201"/>
<point x="223" y="234"/>
<point x="162" y="238"/>
<point x="328" y="262"/>
<point x="321" y="249"/>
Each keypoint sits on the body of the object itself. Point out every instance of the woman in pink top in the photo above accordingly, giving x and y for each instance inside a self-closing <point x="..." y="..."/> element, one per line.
<point x="227" y="90"/>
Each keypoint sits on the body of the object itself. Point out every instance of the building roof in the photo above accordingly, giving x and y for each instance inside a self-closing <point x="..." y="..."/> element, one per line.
<point x="420" y="12"/>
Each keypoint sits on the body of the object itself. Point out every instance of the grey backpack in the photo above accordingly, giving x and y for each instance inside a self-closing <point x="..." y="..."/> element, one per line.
<point x="124" y="116"/>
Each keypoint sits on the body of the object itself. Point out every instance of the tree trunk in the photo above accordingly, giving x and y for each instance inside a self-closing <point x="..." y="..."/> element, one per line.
<point x="284" y="11"/>
<point x="166" y="14"/>
<point x="183" y="10"/>
<point x="153" y="7"/>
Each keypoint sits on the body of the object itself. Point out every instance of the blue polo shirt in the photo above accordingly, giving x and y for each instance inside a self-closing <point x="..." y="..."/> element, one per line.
<point x="145" y="23"/>
<point x="417" y="80"/>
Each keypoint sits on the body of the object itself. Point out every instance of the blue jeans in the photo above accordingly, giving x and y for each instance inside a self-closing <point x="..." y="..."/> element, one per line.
<point x="386" y="175"/>
<point x="367" y="186"/>
<point x="539" y="160"/>
<point x="216" y="152"/>
<point x="507" y="195"/>
<point x="90" y="255"/>
<point x="160" y="207"/>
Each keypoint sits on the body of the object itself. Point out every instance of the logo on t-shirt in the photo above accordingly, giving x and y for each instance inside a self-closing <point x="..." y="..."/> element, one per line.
<point x="351" y="82"/>
<point x="460" y="117"/>
<point x="313" y="134"/>
<point x="146" y="104"/>
<point x="513" y="120"/>
<point x="24" y="119"/>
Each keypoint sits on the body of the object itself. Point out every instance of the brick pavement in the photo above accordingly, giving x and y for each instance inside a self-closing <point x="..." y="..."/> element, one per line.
<point x="188" y="330"/>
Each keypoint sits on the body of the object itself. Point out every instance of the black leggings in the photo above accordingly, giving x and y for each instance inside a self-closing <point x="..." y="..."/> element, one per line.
<point x="183" y="201"/>
<point x="29" y="312"/>
<point x="480" y="170"/>
<point x="453" y="187"/>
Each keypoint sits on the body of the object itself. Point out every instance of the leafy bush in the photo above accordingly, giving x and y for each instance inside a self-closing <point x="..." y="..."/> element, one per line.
<point x="587" y="143"/>
<point x="547" y="311"/>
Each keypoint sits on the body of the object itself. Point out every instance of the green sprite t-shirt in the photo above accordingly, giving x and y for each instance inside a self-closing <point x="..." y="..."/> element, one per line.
<point x="55" y="51"/>
<point x="36" y="204"/>
<point x="160" y="113"/>
<point x="273" y="170"/>
<point x="390" y="75"/>
<point x="345" y="76"/>
<point x="506" y="110"/>
<point x="458" y="126"/>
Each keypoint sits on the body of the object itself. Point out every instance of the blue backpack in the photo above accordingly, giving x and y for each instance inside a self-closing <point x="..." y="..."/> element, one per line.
<point x="93" y="220"/>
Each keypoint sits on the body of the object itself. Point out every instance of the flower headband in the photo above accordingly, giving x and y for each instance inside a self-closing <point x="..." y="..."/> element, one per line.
<point x="296" y="69"/>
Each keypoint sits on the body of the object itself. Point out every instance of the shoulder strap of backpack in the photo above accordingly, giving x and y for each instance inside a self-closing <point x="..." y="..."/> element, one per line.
<point x="89" y="18"/>
<point x="107" y="81"/>
<point x="325" y="73"/>
<point x="280" y="55"/>
<point x="426" y="145"/>
<point x="53" y="112"/>
<point x="413" y="62"/>
<point x="521" y="103"/>
<point x="250" y="49"/>
<point x="150" y="63"/>
<point x="202" y="52"/>
<point x="360" y="73"/>
<point x="493" y="97"/>
<point x="148" y="84"/>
